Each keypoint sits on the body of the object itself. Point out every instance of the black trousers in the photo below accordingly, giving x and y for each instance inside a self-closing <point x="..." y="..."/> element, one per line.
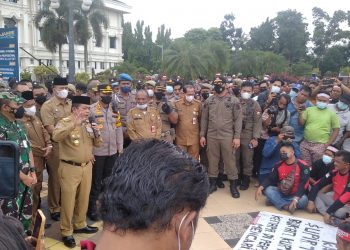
<point x="101" y="169"/>
<point x="257" y="158"/>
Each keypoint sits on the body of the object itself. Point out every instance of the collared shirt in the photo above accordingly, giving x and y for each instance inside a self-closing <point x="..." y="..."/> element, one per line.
<point x="344" y="120"/>
<point x="124" y="105"/>
<point x="54" y="110"/>
<point x="252" y="122"/>
<point x="294" y="120"/>
<point x="37" y="134"/>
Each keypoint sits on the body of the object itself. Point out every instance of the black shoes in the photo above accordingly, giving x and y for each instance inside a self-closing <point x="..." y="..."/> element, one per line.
<point x="56" y="216"/>
<point x="219" y="181"/>
<point x="244" y="182"/>
<point x="86" y="230"/>
<point x="233" y="188"/>
<point x="93" y="216"/>
<point x="69" y="241"/>
<point x="212" y="185"/>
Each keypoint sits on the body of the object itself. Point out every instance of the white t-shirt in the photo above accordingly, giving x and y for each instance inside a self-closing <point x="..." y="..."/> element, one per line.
<point x="344" y="120"/>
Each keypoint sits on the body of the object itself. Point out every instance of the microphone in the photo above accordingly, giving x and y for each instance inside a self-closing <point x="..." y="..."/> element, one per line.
<point x="91" y="121"/>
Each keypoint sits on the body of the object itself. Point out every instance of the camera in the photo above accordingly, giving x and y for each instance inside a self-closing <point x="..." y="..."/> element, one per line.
<point x="328" y="81"/>
<point x="272" y="110"/>
<point x="286" y="137"/>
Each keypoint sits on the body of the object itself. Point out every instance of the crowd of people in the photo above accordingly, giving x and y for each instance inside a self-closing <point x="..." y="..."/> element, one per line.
<point x="293" y="137"/>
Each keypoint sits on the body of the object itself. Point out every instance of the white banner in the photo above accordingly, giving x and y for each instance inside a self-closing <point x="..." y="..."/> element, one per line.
<point x="271" y="231"/>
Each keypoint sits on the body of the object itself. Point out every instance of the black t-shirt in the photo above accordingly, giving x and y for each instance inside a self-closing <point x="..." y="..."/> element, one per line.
<point x="319" y="169"/>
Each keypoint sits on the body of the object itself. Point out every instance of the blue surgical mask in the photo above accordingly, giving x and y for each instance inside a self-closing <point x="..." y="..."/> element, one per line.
<point x="293" y="94"/>
<point x="327" y="159"/>
<point x="125" y="89"/>
<point x="275" y="89"/>
<point x="321" y="105"/>
<point x="169" y="89"/>
<point x="342" y="106"/>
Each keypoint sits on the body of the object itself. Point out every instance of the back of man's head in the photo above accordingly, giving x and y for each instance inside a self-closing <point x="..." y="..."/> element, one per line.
<point x="150" y="183"/>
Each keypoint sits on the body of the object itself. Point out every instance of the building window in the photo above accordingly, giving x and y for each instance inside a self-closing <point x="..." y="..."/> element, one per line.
<point x="49" y="62"/>
<point x="78" y="64"/>
<point x="31" y="61"/>
<point x="99" y="43"/>
<point x="9" y="23"/>
<point x="112" y="42"/>
<point x="95" y="65"/>
<point x="12" y="1"/>
<point x="102" y="65"/>
<point x="67" y="64"/>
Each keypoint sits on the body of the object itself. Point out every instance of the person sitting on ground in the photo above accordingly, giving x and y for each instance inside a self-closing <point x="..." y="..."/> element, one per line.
<point x="336" y="202"/>
<point x="322" y="166"/>
<point x="271" y="151"/>
<point x="286" y="185"/>
<point x="343" y="236"/>
<point x="154" y="202"/>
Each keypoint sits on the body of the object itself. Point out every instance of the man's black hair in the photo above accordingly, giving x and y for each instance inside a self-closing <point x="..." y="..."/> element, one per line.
<point x="278" y="80"/>
<point x="189" y="85"/>
<point x="287" y="144"/>
<point x="247" y="84"/>
<point x="81" y="86"/>
<point x="306" y="89"/>
<point x="285" y="96"/>
<point x="345" y="155"/>
<point x="150" y="183"/>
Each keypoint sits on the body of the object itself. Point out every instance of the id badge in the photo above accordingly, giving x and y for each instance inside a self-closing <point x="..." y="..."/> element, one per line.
<point x="25" y="144"/>
<point x="153" y="129"/>
<point x="194" y="120"/>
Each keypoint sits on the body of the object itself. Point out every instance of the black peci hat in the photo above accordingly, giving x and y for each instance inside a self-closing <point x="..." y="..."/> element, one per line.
<point x="81" y="100"/>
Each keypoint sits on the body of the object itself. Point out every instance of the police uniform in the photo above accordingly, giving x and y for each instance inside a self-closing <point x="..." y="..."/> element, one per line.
<point x="75" y="168"/>
<point x="39" y="138"/>
<point x="52" y="111"/>
<point x="187" y="126"/>
<point x="221" y="122"/>
<point x="21" y="206"/>
<point x="111" y="132"/>
<point x="251" y="128"/>
<point x="144" y="124"/>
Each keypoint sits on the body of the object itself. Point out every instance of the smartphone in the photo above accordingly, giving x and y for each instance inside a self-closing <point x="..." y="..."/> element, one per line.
<point x="39" y="229"/>
<point x="302" y="108"/>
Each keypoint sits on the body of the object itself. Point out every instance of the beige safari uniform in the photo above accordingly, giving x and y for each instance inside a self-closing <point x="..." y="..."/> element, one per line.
<point x="39" y="138"/>
<point x="51" y="112"/>
<point x="251" y="129"/>
<point x="187" y="127"/>
<point x="75" y="171"/>
<point x="144" y="124"/>
<point x="124" y="105"/>
<point x="221" y="122"/>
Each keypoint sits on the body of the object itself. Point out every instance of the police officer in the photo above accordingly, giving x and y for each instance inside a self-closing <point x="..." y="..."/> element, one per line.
<point x="251" y="128"/>
<point x="167" y="114"/>
<point x="11" y="130"/>
<point x="125" y="101"/>
<point x="143" y="122"/>
<point x="76" y="137"/>
<point x="109" y="125"/>
<point x="53" y="110"/>
<point x="221" y="126"/>
<point x="187" y="125"/>
<point x="40" y="143"/>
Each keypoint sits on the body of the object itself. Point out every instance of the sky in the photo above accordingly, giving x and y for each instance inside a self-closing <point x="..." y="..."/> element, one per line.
<point x="183" y="15"/>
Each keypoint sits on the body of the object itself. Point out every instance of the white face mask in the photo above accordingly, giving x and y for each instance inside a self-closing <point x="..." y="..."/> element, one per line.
<point x="141" y="106"/>
<point x="62" y="93"/>
<point x="30" y="111"/>
<point x="178" y="231"/>
<point x="246" y="95"/>
<point x="150" y="92"/>
<point x="275" y="89"/>
<point x="189" y="98"/>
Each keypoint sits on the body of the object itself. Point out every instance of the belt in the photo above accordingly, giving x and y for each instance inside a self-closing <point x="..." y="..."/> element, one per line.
<point x="165" y="133"/>
<point x="75" y="163"/>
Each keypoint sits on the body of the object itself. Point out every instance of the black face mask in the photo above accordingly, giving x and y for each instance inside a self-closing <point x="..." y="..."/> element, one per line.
<point x="70" y="96"/>
<point x="19" y="113"/>
<point x="106" y="99"/>
<point x="219" y="89"/>
<point x="284" y="156"/>
<point x="205" y="95"/>
<point x="263" y="89"/>
<point x="159" y="95"/>
<point x="40" y="99"/>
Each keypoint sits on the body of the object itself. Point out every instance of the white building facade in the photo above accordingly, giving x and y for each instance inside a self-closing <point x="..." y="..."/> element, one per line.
<point x="21" y="13"/>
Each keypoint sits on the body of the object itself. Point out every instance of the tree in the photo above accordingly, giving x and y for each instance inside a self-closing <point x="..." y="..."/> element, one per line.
<point x="91" y="19"/>
<point x="127" y="39"/>
<point x="258" y="63"/>
<point x="53" y="28"/>
<point x="43" y="73"/>
<point x="334" y="59"/>
<point x="292" y="35"/>
<point x="234" y="36"/>
<point x="263" y="37"/>
<point x="301" y="69"/>
<point x="196" y="36"/>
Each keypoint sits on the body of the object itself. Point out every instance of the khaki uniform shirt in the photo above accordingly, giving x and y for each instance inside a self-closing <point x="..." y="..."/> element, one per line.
<point x="221" y="117"/>
<point x="75" y="142"/>
<point x="144" y="124"/>
<point x="111" y="135"/>
<point x="53" y="110"/>
<point x="252" y="122"/>
<point x="38" y="136"/>
<point x="187" y="127"/>
<point x="124" y="105"/>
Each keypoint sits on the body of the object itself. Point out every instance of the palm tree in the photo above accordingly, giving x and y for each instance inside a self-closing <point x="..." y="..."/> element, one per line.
<point x="87" y="21"/>
<point x="53" y="28"/>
